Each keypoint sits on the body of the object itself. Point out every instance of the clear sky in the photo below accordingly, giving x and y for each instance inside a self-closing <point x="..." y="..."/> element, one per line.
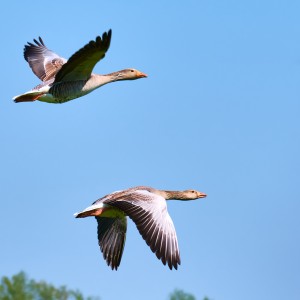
<point x="218" y="113"/>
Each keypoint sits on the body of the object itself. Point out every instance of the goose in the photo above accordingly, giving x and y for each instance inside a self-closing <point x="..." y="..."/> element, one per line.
<point x="147" y="207"/>
<point x="64" y="80"/>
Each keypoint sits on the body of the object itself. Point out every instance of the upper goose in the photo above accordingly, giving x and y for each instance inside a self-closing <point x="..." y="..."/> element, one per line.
<point x="147" y="208"/>
<point x="66" y="80"/>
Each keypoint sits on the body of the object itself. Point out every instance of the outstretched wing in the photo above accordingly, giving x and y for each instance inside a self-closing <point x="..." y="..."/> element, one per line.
<point x="149" y="212"/>
<point x="111" y="239"/>
<point x="81" y="64"/>
<point x="43" y="62"/>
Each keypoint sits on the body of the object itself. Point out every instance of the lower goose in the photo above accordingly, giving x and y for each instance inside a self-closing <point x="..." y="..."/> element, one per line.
<point x="147" y="208"/>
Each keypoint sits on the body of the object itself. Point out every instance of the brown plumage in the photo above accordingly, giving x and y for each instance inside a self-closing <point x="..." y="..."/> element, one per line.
<point x="64" y="80"/>
<point x="147" y="208"/>
<point x="43" y="62"/>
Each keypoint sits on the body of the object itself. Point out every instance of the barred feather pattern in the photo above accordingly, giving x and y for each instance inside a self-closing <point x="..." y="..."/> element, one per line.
<point x="149" y="212"/>
<point x="68" y="90"/>
<point x="44" y="62"/>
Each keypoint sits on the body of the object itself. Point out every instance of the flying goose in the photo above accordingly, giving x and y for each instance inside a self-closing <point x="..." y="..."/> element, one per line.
<point x="66" y="80"/>
<point x="147" y="208"/>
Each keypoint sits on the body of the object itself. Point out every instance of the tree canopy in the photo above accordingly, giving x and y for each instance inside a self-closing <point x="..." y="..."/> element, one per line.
<point x="20" y="287"/>
<point x="181" y="295"/>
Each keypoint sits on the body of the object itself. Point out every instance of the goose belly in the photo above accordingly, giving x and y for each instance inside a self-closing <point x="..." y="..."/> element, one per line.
<point x="65" y="91"/>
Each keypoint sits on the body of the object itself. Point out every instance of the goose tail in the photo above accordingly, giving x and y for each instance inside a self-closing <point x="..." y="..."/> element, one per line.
<point x="93" y="210"/>
<point x="28" y="97"/>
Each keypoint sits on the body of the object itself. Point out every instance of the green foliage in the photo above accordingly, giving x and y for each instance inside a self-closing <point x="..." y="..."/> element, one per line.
<point x="181" y="295"/>
<point x="19" y="287"/>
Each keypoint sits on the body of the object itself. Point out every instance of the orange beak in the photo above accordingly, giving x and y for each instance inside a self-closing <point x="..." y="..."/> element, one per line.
<point x="141" y="75"/>
<point x="202" y="195"/>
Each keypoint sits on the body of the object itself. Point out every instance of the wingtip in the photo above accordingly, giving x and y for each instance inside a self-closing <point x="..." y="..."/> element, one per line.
<point x="174" y="265"/>
<point x="107" y="35"/>
<point x="41" y="41"/>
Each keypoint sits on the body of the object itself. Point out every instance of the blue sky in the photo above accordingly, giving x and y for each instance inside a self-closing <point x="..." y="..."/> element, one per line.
<point x="219" y="113"/>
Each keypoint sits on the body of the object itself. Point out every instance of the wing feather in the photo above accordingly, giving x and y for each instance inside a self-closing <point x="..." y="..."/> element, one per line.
<point x="43" y="62"/>
<point x="149" y="212"/>
<point x="80" y="65"/>
<point x="111" y="239"/>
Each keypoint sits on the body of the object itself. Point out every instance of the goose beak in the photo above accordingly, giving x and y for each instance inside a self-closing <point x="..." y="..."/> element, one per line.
<point x="141" y="75"/>
<point x="202" y="195"/>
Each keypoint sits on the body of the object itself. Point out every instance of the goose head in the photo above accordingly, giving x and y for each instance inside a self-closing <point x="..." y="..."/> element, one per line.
<point x="129" y="74"/>
<point x="193" y="194"/>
